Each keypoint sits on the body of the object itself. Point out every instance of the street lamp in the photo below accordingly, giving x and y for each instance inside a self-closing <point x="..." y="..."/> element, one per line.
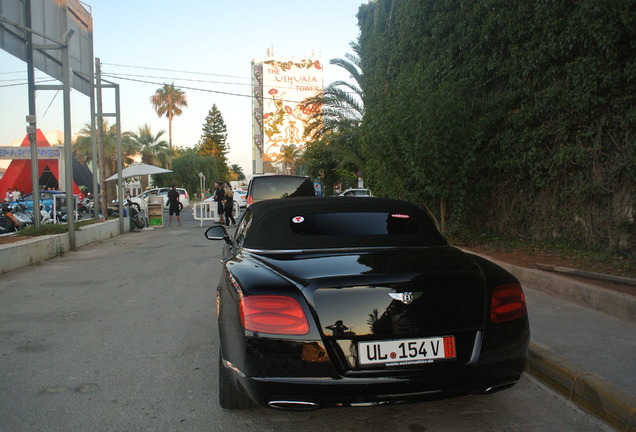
<point x="201" y="184"/>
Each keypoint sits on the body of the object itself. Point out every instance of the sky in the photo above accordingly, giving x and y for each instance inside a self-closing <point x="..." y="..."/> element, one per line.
<point x="204" y="47"/>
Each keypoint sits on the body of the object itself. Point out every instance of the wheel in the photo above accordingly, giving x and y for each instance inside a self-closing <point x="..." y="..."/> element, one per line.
<point x="6" y="225"/>
<point x="140" y="222"/>
<point x="180" y="206"/>
<point x="229" y="396"/>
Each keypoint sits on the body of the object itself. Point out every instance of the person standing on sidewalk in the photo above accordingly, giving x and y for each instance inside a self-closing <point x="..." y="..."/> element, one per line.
<point x="219" y="196"/>
<point x="173" y="202"/>
<point x="228" y="205"/>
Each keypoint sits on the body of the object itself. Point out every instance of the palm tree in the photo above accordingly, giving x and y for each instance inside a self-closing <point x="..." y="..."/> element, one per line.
<point x="152" y="148"/>
<point x="340" y="103"/>
<point x="337" y="112"/>
<point x="236" y="172"/>
<point x="290" y="157"/>
<point x="168" y="100"/>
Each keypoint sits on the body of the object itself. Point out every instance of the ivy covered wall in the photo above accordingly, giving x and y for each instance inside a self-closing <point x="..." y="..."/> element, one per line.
<point x="511" y="116"/>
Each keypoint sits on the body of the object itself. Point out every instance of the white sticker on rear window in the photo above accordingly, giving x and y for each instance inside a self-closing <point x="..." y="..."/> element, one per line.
<point x="298" y="219"/>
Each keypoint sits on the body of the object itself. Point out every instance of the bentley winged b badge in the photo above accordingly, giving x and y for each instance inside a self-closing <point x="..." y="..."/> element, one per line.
<point x="405" y="297"/>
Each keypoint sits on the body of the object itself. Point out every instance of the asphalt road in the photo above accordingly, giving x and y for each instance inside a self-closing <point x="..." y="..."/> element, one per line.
<point x="121" y="336"/>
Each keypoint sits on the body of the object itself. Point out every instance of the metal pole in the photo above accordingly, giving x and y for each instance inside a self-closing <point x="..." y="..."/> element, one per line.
<point x="94" y="157"/>
<point x="68" y="149"/>
<point x="120" y="180"/>
<point x="32" y="123"/>
<point x="101" y="198"/>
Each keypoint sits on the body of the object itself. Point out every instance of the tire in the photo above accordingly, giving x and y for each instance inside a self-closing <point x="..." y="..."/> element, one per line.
<point x="140" y="222"/>
<point x="230" y="397"/>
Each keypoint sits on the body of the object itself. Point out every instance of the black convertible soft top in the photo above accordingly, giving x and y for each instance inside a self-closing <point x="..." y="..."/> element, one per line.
<point x="337" y="222"/>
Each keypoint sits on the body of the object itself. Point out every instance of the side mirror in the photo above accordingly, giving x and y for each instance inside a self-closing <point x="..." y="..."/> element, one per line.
<point x="217" y="232"/>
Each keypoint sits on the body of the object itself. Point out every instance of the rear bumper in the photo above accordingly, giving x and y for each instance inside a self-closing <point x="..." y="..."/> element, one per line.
<point x="320" y="392"/>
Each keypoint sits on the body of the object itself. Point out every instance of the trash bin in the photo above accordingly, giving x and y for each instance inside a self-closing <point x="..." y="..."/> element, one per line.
<point x="155" y="211"/>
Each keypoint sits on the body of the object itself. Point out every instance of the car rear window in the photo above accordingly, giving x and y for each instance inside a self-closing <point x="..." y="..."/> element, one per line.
<point x="310" y="225"/>
<point x="354" y="223"/>
<point x="272" y="187"/>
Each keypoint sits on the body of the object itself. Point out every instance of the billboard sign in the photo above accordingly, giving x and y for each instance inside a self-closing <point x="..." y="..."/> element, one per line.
<point x="285" y="84"/>
<point x="52" y="19"/>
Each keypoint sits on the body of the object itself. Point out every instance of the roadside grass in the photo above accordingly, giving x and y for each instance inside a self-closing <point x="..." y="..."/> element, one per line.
<point x="51" y="229"/>
<point x="618" y="261"/>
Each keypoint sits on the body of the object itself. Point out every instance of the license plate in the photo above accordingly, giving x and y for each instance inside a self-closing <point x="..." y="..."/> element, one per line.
<point x="406" y="351"/>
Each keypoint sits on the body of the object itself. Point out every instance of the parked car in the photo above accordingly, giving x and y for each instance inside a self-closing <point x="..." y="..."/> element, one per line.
<point x="264" y="187"/>
<point x="142" y="199"/>
<point x="356" y="192"/>
<point x="342" y="301"/>
<point x="241" y="197"/>
<point x="46" y="199"/>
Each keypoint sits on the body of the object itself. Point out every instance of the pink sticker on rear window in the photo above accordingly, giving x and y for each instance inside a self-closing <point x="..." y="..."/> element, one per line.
<point x="298" y="219"/>
<point x="400" y="216"/>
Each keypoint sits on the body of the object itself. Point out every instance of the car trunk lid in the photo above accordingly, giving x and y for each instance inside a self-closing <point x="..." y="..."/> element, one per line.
<point x="419" y="297"/>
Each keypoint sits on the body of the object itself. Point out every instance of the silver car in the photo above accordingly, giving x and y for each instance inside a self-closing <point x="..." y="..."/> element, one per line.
<point x="141" y="200"/>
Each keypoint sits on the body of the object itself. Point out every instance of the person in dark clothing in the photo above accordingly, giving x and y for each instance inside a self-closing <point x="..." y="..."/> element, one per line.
<point x="173" y="202"/>
<point x="228" y="205"/>
<point x="219" y="196"/>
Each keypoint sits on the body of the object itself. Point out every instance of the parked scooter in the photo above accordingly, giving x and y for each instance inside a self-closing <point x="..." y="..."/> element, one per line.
<point x="14" y="217"/>
<point x="45" y="216"/>
<point x="136" y="220"/>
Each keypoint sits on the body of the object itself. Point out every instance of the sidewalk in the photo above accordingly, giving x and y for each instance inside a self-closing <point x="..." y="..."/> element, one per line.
<point x="583" y="344"/>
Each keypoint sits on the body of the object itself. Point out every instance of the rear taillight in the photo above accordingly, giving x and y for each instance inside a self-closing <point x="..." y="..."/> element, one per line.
<point x="273" y="314"/>
<point x="507" y="303"/>
<point x="250" y="200"/>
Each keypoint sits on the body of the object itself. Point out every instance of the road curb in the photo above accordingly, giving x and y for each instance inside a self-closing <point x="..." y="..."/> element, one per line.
<point x="588" y="391"/>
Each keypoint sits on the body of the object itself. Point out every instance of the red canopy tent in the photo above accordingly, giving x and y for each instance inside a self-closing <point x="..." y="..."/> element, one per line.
<point x="18" y="174"/>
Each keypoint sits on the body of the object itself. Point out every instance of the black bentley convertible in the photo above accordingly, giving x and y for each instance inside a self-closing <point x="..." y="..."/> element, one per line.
<point x="359" y="301"/>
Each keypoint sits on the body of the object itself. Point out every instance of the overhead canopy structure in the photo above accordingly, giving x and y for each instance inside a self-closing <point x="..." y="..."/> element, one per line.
<point x="18" y="173"/>
<point x="139" y="169"/>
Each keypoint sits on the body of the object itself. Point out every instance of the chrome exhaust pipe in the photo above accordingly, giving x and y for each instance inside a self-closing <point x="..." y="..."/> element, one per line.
<point x="293" y="405"/>
<point x="499" y="387"/>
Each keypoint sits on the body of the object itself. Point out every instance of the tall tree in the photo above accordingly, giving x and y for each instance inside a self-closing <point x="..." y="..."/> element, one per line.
<point x="213" y="141"/>
<point x="168" y="101"/>
<point x="152" y="148"/>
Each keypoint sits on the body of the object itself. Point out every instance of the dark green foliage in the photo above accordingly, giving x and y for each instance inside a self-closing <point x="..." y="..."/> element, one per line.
<point x="519" y="116"/>
<point x="186" y="169"/>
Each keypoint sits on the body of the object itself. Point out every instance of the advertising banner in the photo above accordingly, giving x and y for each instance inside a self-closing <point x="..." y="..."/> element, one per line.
<point x="285" y="84"/>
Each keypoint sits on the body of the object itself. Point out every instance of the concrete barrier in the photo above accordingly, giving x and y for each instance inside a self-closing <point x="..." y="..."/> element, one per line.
<point x="34" y="250"/>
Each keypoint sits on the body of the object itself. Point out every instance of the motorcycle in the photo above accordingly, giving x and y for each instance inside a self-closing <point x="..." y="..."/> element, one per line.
<point x="136" y="220"/>
<point x="45" y="216"/>
<point x="14" y="217"/>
